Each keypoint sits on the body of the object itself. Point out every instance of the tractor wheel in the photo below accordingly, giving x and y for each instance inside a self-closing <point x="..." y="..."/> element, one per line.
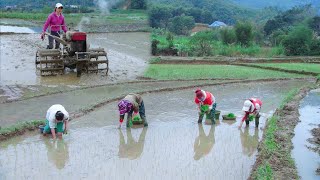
<point x="78" y="72"/>
<point x="79" y="69"/>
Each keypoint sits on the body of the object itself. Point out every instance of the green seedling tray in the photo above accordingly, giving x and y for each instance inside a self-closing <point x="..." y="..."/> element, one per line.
<point x="251" y="117"/>
<point x="228" y="117"/>
<point x="204" y="108"/>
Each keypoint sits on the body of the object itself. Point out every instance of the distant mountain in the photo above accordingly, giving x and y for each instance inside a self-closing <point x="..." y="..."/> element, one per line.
<point x="282" y="4"/>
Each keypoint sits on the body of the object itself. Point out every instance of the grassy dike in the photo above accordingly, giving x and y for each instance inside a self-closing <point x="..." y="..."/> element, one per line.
<point x="274" y="159"/>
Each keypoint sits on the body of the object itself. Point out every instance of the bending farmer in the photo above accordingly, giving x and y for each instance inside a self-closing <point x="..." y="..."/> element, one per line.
<point x="55" y="20"/>
<point x="132" y="104"/>
<point x="206" y="105"/>
<point x="55" y="118"/>
<point x="251" y="108"/>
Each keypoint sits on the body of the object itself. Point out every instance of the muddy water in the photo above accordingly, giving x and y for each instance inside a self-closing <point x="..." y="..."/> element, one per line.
<point x="16" y="29"/>
<point x="35" y="108"/>
<point x="18" y="22"/>
<point x="127" y="53"/>
<point x="306" y="160"/>
<point x="174" y="146"/>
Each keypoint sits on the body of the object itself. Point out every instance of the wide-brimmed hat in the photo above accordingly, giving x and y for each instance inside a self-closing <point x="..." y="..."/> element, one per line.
<point x="246" y="105"/>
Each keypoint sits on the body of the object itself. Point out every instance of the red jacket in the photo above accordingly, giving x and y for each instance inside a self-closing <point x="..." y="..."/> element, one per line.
<point x="255" y="102"/>
<point x="209" y="99"/>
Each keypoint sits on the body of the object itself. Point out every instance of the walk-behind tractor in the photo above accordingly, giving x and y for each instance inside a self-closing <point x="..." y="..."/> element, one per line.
<point x="74" y="54"/>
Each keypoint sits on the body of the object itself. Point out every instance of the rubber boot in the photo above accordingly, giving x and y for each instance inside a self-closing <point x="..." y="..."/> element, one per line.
<point x="212" y="115"/>
<point x="257" y="120"/>
<point x="129" y="119"/>
<point x="247" y="122"/>
<point x="200" y="118"/>
<point x="145" y="123"/>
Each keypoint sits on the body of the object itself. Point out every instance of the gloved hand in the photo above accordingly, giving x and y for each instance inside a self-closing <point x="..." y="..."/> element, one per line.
<point x="121" y="121"/>
<point x="42" y="36"/>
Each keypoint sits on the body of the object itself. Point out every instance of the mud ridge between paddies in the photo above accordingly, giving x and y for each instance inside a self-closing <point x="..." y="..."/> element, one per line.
<point x="279" y="159"/>
<point x="18" y="131"/>
<point x="232" y="60"/>
<point x="142" y="80"/>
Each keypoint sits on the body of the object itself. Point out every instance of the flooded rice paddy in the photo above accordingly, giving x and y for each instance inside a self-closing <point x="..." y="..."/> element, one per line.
<point x="306" y="160"/>
<point x="174" y="146"/>
<point x="127" y="53"/>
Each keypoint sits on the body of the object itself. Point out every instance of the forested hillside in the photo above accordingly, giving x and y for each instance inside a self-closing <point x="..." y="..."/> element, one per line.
<point x="282" y="4"/>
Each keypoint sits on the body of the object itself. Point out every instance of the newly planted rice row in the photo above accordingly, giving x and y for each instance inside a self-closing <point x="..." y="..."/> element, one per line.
<point x="168" y="72"/>
<point x="307" y="67"/>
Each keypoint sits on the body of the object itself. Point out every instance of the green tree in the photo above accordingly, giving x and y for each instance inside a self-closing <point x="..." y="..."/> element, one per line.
<point x="298" y="41"/>
<point x="169" y="38"/>
<point x="315" y="47"/>
<point x="277" y="37"/>
<point x="138" y="4"/>
<point x="314" y="24"/>
<point x="201" y="42"/>
<point x="195" y="13"/>
<point x="206" y="17"/>
<point x="181" y="25"/>
<point x="244" y="33"/>
<point x="159" y="16"/>
<point x="228" y="36"/>
<point x="288" y="18"/>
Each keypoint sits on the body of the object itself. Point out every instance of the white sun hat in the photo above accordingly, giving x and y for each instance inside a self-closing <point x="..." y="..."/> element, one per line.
<point x="246" y="106"/>
<point x="59" y="5"/>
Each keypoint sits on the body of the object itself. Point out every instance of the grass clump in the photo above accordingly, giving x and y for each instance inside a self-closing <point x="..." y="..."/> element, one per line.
<point x="270" y="143"/>
<point x="265" y="172"/>
<point x="155" y="60"/>
<point x="289" y="97"/>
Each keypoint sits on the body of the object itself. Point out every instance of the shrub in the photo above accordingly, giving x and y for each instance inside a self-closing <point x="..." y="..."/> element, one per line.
<point x="244" y="33"/>
<point x="228" y="36"/>
<point x="181" y="25"/>
<point x="315" y="47"/>
<point x="298" y="41"/>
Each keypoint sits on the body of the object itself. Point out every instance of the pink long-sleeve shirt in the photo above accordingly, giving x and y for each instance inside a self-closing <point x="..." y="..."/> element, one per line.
<point x="55" y="22"/>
